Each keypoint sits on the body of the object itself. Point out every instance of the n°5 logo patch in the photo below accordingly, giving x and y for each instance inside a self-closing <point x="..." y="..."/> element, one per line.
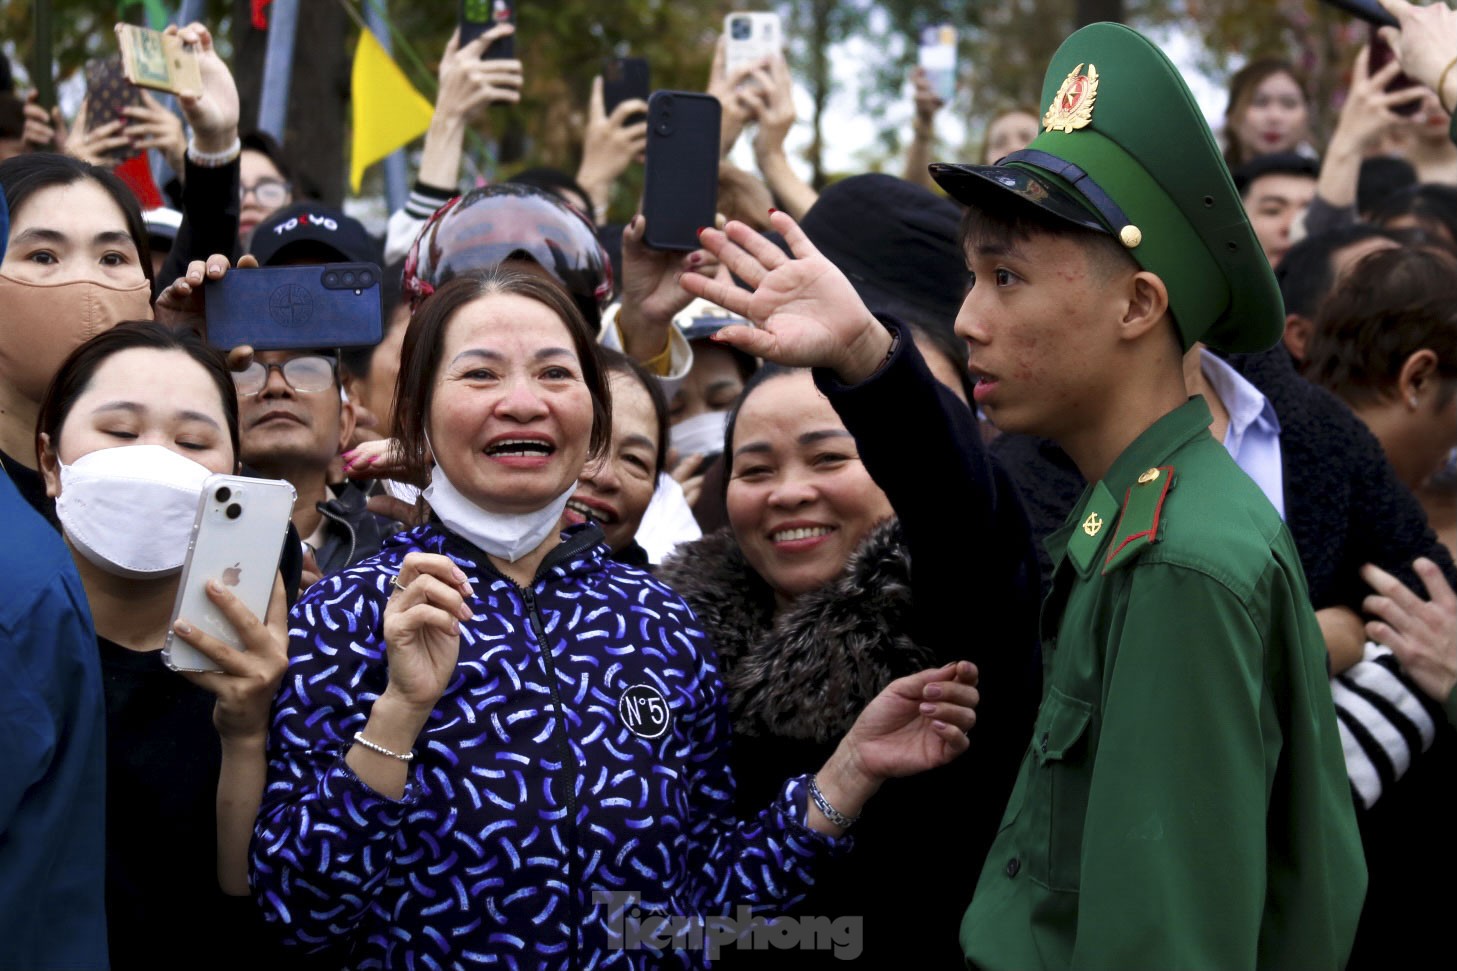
<point x="644" y="711"/>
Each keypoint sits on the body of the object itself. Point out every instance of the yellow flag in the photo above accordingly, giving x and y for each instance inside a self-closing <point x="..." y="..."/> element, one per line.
<point x="388" y="111"/>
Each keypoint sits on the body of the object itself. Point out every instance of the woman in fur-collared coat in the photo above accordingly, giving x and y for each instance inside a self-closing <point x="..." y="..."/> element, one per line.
<point x="808" y="599"/>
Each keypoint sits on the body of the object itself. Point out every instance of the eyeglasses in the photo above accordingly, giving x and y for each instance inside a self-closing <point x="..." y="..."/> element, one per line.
<point x="306" y="373"/>
<point x="268" y="192"/>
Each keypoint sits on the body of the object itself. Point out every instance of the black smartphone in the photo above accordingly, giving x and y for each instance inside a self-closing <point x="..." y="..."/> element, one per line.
<point x="1368" y="10"/>
<point x="1382" y="55"/>
<point x="680" y="181"/>
<point x="479" y="16"/>
<point x="277" y="308"/>
<point x="40" y="68"/>
<point x="623" y="79"/>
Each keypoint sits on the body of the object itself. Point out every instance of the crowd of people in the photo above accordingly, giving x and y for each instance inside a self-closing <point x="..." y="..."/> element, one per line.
<point x="1039" y="560"/>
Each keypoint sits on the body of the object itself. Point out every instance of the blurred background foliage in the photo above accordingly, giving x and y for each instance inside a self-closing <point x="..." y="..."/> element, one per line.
<point x="1004" y="47"/>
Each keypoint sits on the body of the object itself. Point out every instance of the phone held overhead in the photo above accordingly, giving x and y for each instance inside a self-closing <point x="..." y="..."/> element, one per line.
<point x="680" y="180"/>
<point x="162" y="62"/>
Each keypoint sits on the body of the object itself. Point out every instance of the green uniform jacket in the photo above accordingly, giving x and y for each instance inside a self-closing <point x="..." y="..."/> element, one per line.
<point x="1184" y="802"/>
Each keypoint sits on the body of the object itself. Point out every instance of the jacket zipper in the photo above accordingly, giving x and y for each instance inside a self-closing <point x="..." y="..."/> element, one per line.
<point x="561" y="554"/>
<point x="564" y="753"/>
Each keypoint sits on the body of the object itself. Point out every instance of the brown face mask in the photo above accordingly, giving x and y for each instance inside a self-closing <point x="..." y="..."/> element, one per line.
<point x="41" y="323"/>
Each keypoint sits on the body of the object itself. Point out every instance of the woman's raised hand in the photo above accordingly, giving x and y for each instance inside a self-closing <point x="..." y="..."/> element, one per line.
<point x="422" y="629"/>
<point x="808" y="314"/>
<point x="917" y="723"/>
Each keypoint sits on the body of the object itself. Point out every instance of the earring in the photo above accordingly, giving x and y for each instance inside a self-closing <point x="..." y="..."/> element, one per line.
<point x="1413" y="399"/>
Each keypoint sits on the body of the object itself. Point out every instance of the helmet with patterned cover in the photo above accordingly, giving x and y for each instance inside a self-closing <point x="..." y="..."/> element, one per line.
<point x="492" y="224"/>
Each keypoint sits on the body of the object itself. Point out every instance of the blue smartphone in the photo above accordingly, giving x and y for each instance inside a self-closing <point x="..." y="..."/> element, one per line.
<point x="280" y="308"/>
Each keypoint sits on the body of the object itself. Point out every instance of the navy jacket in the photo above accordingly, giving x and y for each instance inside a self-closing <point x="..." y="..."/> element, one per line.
<point x="52" y="748"/>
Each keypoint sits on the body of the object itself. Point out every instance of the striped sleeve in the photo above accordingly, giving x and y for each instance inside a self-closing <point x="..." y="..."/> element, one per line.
<point x="1385" y="722"/>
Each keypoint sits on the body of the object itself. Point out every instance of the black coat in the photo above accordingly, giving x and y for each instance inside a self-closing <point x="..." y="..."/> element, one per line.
<point x="954" y="578"/>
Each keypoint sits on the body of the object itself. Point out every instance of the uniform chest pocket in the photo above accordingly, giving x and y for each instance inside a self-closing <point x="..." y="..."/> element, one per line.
<point x="1056" y="796"/>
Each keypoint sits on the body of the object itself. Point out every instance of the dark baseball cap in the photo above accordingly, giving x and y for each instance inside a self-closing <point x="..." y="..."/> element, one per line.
<point x="310" y="231"/>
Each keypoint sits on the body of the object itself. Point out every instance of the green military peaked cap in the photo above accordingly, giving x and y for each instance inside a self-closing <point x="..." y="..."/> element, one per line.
<point x="1125" y="150"/>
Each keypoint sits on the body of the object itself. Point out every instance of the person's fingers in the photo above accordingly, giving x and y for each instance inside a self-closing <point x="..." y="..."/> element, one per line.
<point x="478" y="46"/>
<point x="627" y="109"/>
<point x="1392" y="36"/>
<point x="421" y="616"/>
<point x="799" y="243"/>
<point x="715" y="70"/>
<point x="427" y="589"/>
<point x="962" y="716"/>
<point x="231" y="660"/>
<point x="750" y="340"/>
<point x="768" y="255"/>
<point x="752" y="271"/>
<point x="725" y="294"/>
<point x="955" y="738"/>
<point x="277" y="618"/>
<point x="596" y="109"/>
<point x="251" y="632"/>
<point x="692" y="489"/>
<point x="247" y="262"/>
<point x="240" y="358"/>
<point x="1389" y="588"/>
<point x="952" y="692"/>
<point x="1438" y="589"/>
<point x="1393" y="99"/>
<point x="683" y="469"/>
<point x="1384" y="76"/>
<point x="437" y="565"/>
<point x="1383" y="633"/>
<point x="452" y="45"/>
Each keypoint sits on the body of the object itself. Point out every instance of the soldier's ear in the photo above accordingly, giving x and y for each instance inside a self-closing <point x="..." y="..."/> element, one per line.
<point x="1147" y="306"/>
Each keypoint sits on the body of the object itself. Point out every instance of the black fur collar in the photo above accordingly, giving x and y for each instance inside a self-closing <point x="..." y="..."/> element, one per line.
<point x="808" y="674"/>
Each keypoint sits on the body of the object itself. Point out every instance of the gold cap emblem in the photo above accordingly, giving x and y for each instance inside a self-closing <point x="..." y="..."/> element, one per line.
<point x="1130" y="236"/>
<point x="1072" y="108"/>
<point x="1150" y="476"/>
<point x="1092" y="524"/>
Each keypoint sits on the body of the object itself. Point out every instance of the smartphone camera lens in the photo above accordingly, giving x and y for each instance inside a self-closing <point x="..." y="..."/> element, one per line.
<point x="349" y="278"/>
<point x="234" y="511"/>
<point x="331" y="279"/>
<point x="740" y="28"/>
<point x="366" y="279"/>
<point x="223" y="494"/>
<point x="665" y="129"/>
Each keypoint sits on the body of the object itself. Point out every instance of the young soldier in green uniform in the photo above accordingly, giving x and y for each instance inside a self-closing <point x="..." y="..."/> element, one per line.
<point x="1183" y="803"/>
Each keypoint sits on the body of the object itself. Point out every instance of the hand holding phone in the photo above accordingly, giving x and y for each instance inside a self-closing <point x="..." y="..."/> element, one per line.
<point x="108" y="95"/>
<point x="237" y="538"/>
<point x="749" y="39"/>
<point x="279" y="308"/>
<point x="479" y="16"/>
<point x="625" y="79"/>
<point x="162" y="62"/>
<point x="1382" y="55"/>
<point x="937" y="59"/>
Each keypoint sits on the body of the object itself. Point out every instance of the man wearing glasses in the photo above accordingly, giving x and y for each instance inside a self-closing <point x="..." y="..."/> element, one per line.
<point x="294" y="415"/>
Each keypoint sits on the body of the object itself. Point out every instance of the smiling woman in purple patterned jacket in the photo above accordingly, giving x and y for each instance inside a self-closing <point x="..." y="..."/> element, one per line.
<point x="496" y="745"/>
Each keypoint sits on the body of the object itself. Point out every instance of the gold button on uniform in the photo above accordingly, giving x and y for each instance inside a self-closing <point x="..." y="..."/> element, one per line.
<point x="1150" y="476"/>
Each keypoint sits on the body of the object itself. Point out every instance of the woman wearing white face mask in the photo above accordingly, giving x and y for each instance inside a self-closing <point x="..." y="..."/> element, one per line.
<point x="134" y="422"/>
<point x="77" y="264"/>
<point x="494" y="742"/>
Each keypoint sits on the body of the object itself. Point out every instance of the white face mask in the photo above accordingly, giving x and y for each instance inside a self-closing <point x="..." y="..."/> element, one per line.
<point x="129" y="510"/>
<point x="506" y="536"/>
<point x="699" y="435"/>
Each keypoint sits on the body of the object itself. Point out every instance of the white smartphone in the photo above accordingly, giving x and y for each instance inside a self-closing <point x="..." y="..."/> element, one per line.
<point x="937" y="57"/>
<point x="237" y="538"/>
<point x="751" y="37"/>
